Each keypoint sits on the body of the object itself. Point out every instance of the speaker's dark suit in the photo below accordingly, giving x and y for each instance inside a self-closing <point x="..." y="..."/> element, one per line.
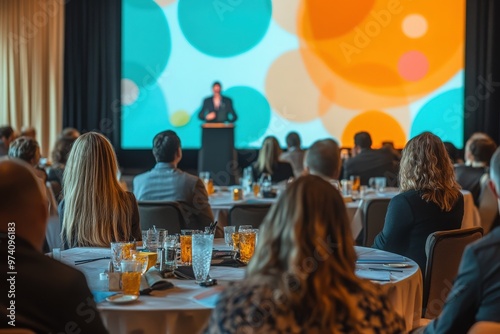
<point x="225" y="112"/>
<point x="475" y="295"/>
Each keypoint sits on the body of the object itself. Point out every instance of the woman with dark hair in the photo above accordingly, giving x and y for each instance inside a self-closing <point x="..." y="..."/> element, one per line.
<point x="430" y="200"/>
<point x="60" y="154"/>
<point x="302" y="279"/>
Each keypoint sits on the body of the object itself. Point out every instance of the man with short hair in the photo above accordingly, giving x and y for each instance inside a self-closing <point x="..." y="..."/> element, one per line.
<point x="475" y="295"/>
<point x="27" y="149"/>
<point x="217" y="108"/>
<point x="165" y="182"/>
<point x="6" y="137"/>
<point x="294" y="153"/>
<point x="323" y="159"/>
<point x="368" y="163"/>
<point x="47" y="296"/>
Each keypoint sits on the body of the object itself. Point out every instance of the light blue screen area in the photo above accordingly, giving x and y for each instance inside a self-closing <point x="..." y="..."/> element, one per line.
<point x="146" y="42"/>
<point x="224" y="28"/>
<point x="443" y="116"/>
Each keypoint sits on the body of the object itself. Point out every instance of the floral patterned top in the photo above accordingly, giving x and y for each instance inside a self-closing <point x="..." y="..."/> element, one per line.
<point x="248" y="308"/>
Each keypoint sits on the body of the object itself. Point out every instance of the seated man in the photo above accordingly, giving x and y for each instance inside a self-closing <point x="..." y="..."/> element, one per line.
<point x="368" y="163"/>
<point x="165" y="182"/>
<point x="294" y="154"/>
<point x="49" y="297"/>
<point x="323" y="159"/>
<point x="475" y="295"/>
<point x="6" y="137"/>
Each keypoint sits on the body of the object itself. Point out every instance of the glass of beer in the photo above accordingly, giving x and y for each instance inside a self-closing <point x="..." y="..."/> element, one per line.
<point x="356" y="182"/>
<point x="236" y="241"/>
<point x="247" y="245"/>
<point x="256" y="189"/>
<point x="186" y="246"/>
<point x="131" y="277"/>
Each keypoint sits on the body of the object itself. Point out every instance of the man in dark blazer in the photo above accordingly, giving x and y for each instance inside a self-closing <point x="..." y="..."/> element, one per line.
<point x="475" y="295"/>
<point x="165" y="182"/>
<point x="217" y="108"/>
<point x="39" y="293"/>
<point x="368" y="163"/>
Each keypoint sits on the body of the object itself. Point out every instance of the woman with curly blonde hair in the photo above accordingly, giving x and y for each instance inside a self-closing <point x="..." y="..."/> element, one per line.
<point x="96" y="210"/>
<point x="301" y="278"/>
<point x="430" y="199"/>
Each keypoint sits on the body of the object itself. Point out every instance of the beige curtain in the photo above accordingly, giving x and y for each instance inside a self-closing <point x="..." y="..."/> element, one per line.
<point x="31" y="66"/>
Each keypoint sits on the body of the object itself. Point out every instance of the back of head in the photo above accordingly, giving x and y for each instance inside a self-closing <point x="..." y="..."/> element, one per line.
<point x="308" y="227"/>
<point x="61" y="150"/>
<point x="363" y="140"/>
<point x="268" y="155"/>
<point x="6" y="132"/>
<point x="165" y="146"/>
<point x="69" y="133"/>
<point x="28" y="131"/>
<point x="426" y="167"/>
<point x="323" y="158"/>
<point x="474" y="136"/>
<point x="97" y="209"/>
<point x="451" y="150"/>
<point x="293" y="140"/>
<point x="26" y="149"/>
<point x="482" y="150"/>
<point x="22" y="201"/>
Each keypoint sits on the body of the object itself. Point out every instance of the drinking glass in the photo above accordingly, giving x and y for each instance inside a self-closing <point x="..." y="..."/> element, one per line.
<point x="121" y="251"/>
<point x="207" y="181"/>
<point x="242" y="228"/>
<point x="256" y="189"/>
<point x="237" y="193"/>
<point x="186" y="246"/>
<point x="236" y="241"/>
<point x="346" y="188"/>
<point x="247" y="246"/>
<point x="247" y="180"/>
<point x="228" y="231"/>
<point x="356" y="182"/>
<point x="380" y="183"/>
<point x="202" y="255"/>
<point x="143" y="258"/>
<point x="266" y="184"/>
<point x="131" y="277"/>
<point x="155" y="238"/>
<point x="170" y="249"/>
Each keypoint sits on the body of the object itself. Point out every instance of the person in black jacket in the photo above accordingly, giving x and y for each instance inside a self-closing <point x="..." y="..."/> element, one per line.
<point x="430" y="200"/>
<point x="268" y="162"/>
<point x="217" y="108"/>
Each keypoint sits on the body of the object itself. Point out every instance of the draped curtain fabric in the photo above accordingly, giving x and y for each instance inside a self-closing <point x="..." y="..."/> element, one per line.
<point x="92" y="66"/>
<point x="482" y="68"/>
<point x="31" y="54"/>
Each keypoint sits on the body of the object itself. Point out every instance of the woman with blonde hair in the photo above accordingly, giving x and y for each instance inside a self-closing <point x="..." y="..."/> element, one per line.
<point x="430" y="200"/>
<point x="302" y="279"/>
<point x="268" y="162"/>
<point x="96" y="210"/>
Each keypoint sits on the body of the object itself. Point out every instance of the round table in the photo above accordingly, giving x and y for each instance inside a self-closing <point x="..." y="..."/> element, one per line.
<point x="179" y="310"/>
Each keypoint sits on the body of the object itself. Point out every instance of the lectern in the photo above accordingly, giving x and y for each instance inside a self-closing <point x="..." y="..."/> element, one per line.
<point x="217" y="154"/>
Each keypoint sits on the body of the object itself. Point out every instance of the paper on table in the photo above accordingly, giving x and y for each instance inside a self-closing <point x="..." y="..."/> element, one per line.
<point x="374" y="275"/>
<point x="381" y="258"/>
<point x="153" y="280"/>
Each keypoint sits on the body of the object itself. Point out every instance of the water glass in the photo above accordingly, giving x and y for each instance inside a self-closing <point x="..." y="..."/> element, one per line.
<point x="202" y="244"/>
<point x="247" y="246"/>
<point x="131" y="277"/>
<point x="121" y="251"/>
<point x="143" y="258"/>
<point x="228" y="231"/>
<point x="155" y="238"/>
<point x="242" y="228"/>
<point x="170" y="249"/>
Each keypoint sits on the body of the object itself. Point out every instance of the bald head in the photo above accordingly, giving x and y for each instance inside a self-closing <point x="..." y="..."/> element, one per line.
<point x="323" y="159"/>
<point x="22" y="201"/>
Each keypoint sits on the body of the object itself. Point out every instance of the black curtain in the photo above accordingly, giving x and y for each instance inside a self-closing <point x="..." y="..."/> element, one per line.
<point x="482" y="68"/>
<point x="92" y="66"/>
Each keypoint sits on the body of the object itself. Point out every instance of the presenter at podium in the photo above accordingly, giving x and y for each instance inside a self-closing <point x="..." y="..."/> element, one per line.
<point x="217" y="108"/>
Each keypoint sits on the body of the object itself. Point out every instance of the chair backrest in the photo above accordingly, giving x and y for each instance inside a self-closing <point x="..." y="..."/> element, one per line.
<point x="374" y="211"/>
<point x="162" y="214"/>
<point x="485" y="327"/>
<point x="488" y="205"/>
<point x="444" y="251"/>
<point x="248" y="214"/>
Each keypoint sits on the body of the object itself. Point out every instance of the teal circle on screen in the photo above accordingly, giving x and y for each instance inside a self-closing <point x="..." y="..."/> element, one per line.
<point x="443" y="115"/>
<point x="254" y="114"/>
<point x="224" y="28"/>
<point x="147" y="44"/>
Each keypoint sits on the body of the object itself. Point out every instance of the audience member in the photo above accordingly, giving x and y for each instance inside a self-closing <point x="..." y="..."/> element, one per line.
<point x="60" y="154"/>
<point x="27" y="149"/>
<point x="165" y="182"/>
<point x="475" y="295"/>
<point x="268" y="162"/>
<point x="388" y="146"/>
<point x="367" y="162"/>
<point x="294" y="154"/>
<point x="28" y="131"/>
<point x="430" y="200"/>
<point x="70" y="133"/>
<point x="453" y="153"/>
<point x="469" y="176"/>
<point x="323" y="159"/>
<point x="50" y="297"/>
<point x="6" y="137"/>
<point x="467" y="153"/>
<point x="280" y="292"/>
<point x="96" y="210"/>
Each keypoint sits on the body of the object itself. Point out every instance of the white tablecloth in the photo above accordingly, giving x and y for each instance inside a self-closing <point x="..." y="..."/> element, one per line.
<point x="175" y="310"/>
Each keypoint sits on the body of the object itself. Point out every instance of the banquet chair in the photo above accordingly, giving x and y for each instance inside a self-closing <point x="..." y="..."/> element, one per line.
<point x="485" y="327"/>
<point x="161" y="214"/>
<point x="374" y="211"/>
<point x="444" y="252"/>
<point x="248" y="214"/>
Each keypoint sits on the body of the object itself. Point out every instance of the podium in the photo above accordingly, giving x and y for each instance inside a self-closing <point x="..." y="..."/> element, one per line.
<point x="217" y="154"/>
